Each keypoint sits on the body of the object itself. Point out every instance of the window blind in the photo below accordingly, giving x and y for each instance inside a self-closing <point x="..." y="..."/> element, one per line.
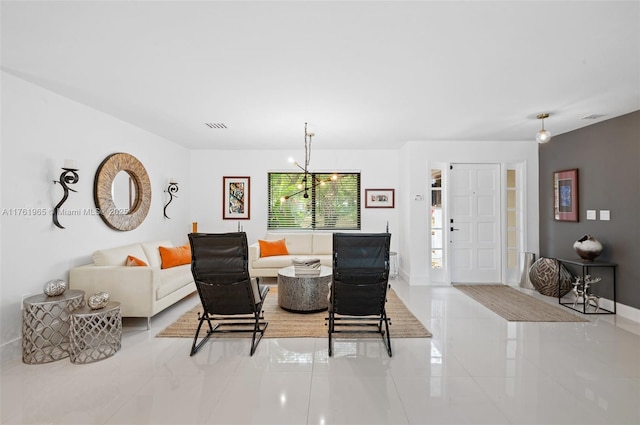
<point x="333" y="201"/>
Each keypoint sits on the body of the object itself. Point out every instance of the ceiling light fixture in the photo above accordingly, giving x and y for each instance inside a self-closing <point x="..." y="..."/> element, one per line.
<point x="308" y="181"/>
<point x="543" y="136"/>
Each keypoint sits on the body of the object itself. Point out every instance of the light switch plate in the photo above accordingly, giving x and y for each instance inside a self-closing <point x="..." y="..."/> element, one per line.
<point x="591" y="214"/>
<point x="604" y="215"/>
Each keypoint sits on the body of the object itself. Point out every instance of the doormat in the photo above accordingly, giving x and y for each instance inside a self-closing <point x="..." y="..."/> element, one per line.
<point x="516" y="306"/>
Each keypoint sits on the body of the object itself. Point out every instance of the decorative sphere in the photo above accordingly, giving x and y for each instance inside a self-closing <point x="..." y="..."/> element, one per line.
<point x="55" y="287"/>
<point x="549" y="277"/>
<point x="543" y="136"/>
<point x="98" y="300"/>
<point x="588" y="247"/>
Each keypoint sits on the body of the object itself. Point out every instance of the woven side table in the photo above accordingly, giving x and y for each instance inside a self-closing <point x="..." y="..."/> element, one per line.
<point x="45" y="326"/>
<point x="95" y="334"/>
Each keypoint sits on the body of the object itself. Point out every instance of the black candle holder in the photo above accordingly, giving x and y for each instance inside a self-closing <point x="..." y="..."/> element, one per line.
<point x="68" y="176"/>
<point x="171" y="190"/>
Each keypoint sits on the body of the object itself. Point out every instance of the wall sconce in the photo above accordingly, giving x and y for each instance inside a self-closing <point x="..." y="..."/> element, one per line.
<point x="172" y="189"/>
<point x="543" y="136"/>
<point x="68" y="176"/>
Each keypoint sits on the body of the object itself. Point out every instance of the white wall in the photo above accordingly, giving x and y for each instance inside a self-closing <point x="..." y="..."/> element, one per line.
<point x="414" y="231"/>
<point x="39" y="130"/>
<point x="405" y="170"/>
<point x="379" y="170"/>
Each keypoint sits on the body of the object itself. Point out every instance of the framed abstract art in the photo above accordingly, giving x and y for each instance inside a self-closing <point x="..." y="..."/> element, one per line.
<point x="565" y="195"/>
<point x="236" y="198"/>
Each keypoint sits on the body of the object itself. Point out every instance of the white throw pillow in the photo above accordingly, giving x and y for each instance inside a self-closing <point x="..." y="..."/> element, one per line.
<point x="297" y="243"/>
<point x="118" y="256"/>
<point x="153" y="253"/>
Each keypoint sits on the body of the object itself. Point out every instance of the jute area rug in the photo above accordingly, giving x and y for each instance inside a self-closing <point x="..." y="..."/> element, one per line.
<point x="284" y="324"/>
<point x="516" y="306"/>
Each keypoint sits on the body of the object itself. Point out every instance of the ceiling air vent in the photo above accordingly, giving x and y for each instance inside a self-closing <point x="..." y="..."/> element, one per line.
<point x="215" y="125"/>
<point x="593" y="117"/>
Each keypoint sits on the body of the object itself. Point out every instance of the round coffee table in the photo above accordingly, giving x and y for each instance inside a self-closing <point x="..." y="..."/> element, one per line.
<point x="304" y="293"/>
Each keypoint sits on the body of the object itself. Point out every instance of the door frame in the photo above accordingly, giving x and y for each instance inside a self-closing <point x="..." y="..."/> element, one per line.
<point x="506" y="276"/>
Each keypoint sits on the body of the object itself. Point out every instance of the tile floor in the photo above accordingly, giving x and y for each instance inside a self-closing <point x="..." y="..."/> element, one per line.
<point x="477" y="369"/>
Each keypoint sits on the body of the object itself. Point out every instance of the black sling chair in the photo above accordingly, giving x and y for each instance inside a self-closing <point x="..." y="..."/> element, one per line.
<point x="219" y="263"/>
<point x="359" y="288"/>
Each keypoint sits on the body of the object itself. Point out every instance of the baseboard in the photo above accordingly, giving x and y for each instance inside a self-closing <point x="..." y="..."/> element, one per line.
<point x="627" y="312"/>
<point x="622" y="310"/>
<point x="10" y="350"/>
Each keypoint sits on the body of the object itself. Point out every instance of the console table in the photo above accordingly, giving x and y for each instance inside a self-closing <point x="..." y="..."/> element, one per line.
<point x="45" y="326"/>
<point x="586" y="268"/>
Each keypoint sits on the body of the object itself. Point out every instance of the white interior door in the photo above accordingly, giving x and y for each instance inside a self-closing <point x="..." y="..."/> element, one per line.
<point x="474" y="229"/>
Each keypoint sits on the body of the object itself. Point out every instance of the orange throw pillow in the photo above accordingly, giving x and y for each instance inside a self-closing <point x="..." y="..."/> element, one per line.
<point x="270" y="248"/>
<point x="135" y="261"/>
<point x="172" y="257"/>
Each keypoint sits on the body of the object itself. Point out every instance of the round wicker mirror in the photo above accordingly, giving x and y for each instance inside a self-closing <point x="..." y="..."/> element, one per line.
<point x="122" y="218"/>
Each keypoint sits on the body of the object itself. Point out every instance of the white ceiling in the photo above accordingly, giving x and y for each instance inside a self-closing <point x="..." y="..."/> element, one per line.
<point x="362" y="74"/>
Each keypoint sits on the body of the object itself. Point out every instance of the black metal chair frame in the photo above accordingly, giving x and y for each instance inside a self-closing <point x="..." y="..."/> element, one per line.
<point x="227" y="296"/>
<point x="366" y="289"/>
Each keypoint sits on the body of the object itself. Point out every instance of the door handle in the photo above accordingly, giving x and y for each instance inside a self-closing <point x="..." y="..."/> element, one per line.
<point x="453" y="228"/>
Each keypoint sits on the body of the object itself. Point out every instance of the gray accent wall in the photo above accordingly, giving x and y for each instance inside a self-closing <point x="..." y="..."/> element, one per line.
<point x="607" y="156"/>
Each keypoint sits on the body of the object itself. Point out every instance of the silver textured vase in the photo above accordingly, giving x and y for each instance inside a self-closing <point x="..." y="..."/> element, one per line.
<point x="98" y="300"/>
<point x="54" y="287"/>
<point x="588" y="247"/>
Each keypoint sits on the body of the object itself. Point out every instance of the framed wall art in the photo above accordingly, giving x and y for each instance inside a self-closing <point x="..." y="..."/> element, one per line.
<point x="565" y="195"/>
<point x="236" y="198"/>
<point x="379" y="198"/>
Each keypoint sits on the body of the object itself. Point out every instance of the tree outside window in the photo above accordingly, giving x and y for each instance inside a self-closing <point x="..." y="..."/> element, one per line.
<point x="333" y="201"/>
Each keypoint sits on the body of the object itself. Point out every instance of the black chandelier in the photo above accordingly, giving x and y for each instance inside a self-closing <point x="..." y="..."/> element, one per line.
<point x="308" y="180"/>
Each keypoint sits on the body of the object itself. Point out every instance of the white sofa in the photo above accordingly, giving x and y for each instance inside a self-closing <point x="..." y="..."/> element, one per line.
<point x="142" y="291"/>
<point x="299" y="245"/>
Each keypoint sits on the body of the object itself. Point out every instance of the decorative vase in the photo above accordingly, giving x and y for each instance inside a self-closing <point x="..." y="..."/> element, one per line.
<point x="55" y="287"/>
<point x="98" y="300"/>
<point x="588" y="247"/>
<point x="525" y="280"/>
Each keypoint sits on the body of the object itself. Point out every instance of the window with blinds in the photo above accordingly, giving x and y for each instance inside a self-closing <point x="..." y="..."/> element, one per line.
<point x="333" y="201"/>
